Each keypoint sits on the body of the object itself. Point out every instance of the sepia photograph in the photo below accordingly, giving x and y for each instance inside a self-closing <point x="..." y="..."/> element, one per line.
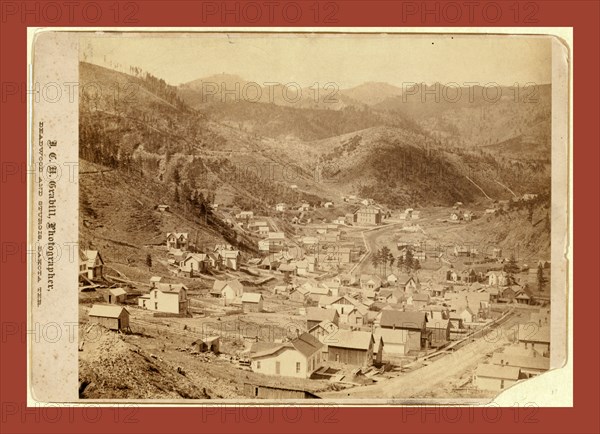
<point x="354" y="217"/>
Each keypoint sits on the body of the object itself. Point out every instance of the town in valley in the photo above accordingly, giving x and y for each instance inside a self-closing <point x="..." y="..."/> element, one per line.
<point x="391" y="249"/>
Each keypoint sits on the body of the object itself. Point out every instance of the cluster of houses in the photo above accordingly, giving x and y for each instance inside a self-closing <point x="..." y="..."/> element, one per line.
<point x="222" y="256"/>
<point x="527" y="357"/>
<point x="501" y="286"/>
<point x="231" y="292"/>
<point x="458" y="215"/>
<point x="410" y="214"/>
<point x="389" y="319"/>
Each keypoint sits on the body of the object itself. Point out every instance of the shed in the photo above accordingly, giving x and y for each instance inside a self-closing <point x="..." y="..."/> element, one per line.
<point x="252" y="302"/>
<point x="109" y="316"/>
<point x="115" y="295"/>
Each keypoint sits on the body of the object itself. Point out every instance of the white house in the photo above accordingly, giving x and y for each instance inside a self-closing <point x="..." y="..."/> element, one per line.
<point x="166" y="297"/>
<point x="194" y="262"/>
<point x="227" y="290"/>
<point x="281" y="207"/>
<point x="94" y="264"/>
<point x="230" y="258"/>
<point x="298" y="358"/>
<point x="177" y="240"/>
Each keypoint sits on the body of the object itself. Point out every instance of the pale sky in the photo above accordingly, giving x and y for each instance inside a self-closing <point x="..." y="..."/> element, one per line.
<point x="347" y="60"/>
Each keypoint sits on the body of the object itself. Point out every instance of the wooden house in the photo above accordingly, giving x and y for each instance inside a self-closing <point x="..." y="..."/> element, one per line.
<point x="227" y="290"/>
<point x="94" y="264"/>
<point x="395" y="341"/>
<point x="194" y="262"/>
<point x="529" y="366"/>
<point x="369" y="215"/>
<point x="496" y="378"/>
<point x="314" y="315"/>
<point x="299" y="295"/>
<point x="177" y="240"/>
<point x="370" y="282"/>
<point x="531" y="336"/>
<point x="413" y="322"/>
<point x="353" y="348"/>
<point x="440" y="331"/>
<point x="322" y="330"/>
<point x="167" y="298"/>
<point x="298" y="358"/>
<point x="252" y="302"/>
<point x="110" y="316"/>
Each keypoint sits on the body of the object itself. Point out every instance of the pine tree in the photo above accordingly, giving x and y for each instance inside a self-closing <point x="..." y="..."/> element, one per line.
<point x="149" y="261"/>
<point x="511" y="267"/>
<point x="408" y="259"/>
<point x="400" y="263"/>
<point x="376" y="259"/>
<point x="416" y="265"/>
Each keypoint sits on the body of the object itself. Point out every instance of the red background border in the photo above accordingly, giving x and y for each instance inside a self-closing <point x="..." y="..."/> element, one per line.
<point x="15" y="417"/>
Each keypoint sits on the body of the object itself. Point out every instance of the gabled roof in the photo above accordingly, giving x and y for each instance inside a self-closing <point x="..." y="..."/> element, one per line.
<point x="318" y="290"/>
<point x="307" y="344"/>
<point x="264" y="349"/>
<point x="155" y="279"/>
<point x="196" y="256"/>
<point x="107" y="311"/>
<point x="251" y="297"/>
<point x="171" y="287"/>
<point x="496" y="371"/>
<point x="300" y="290"/>
<point x="326" y="300"/>
<point x="421" y="297"/>
<point x="400" y="319"/>
<point x="326" y="325"/>
<point x="370" y="277"/>
<point x="358" y="340"/>
<point x="404" y="278"/>
<point x="178" y="234"/>
<point x="229" y="253"/>
<point x="91" y="256"/>
<point x="117" y="291"/>
<point x="541" y="363"/>
<point x="361" y="309"/>
<point x="533" y="333"/>
<point x="318" y="314"/>
<point x="220" y="284"/>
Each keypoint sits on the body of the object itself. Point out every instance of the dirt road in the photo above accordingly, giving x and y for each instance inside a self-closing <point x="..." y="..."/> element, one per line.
<point x="439" y="372"/>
